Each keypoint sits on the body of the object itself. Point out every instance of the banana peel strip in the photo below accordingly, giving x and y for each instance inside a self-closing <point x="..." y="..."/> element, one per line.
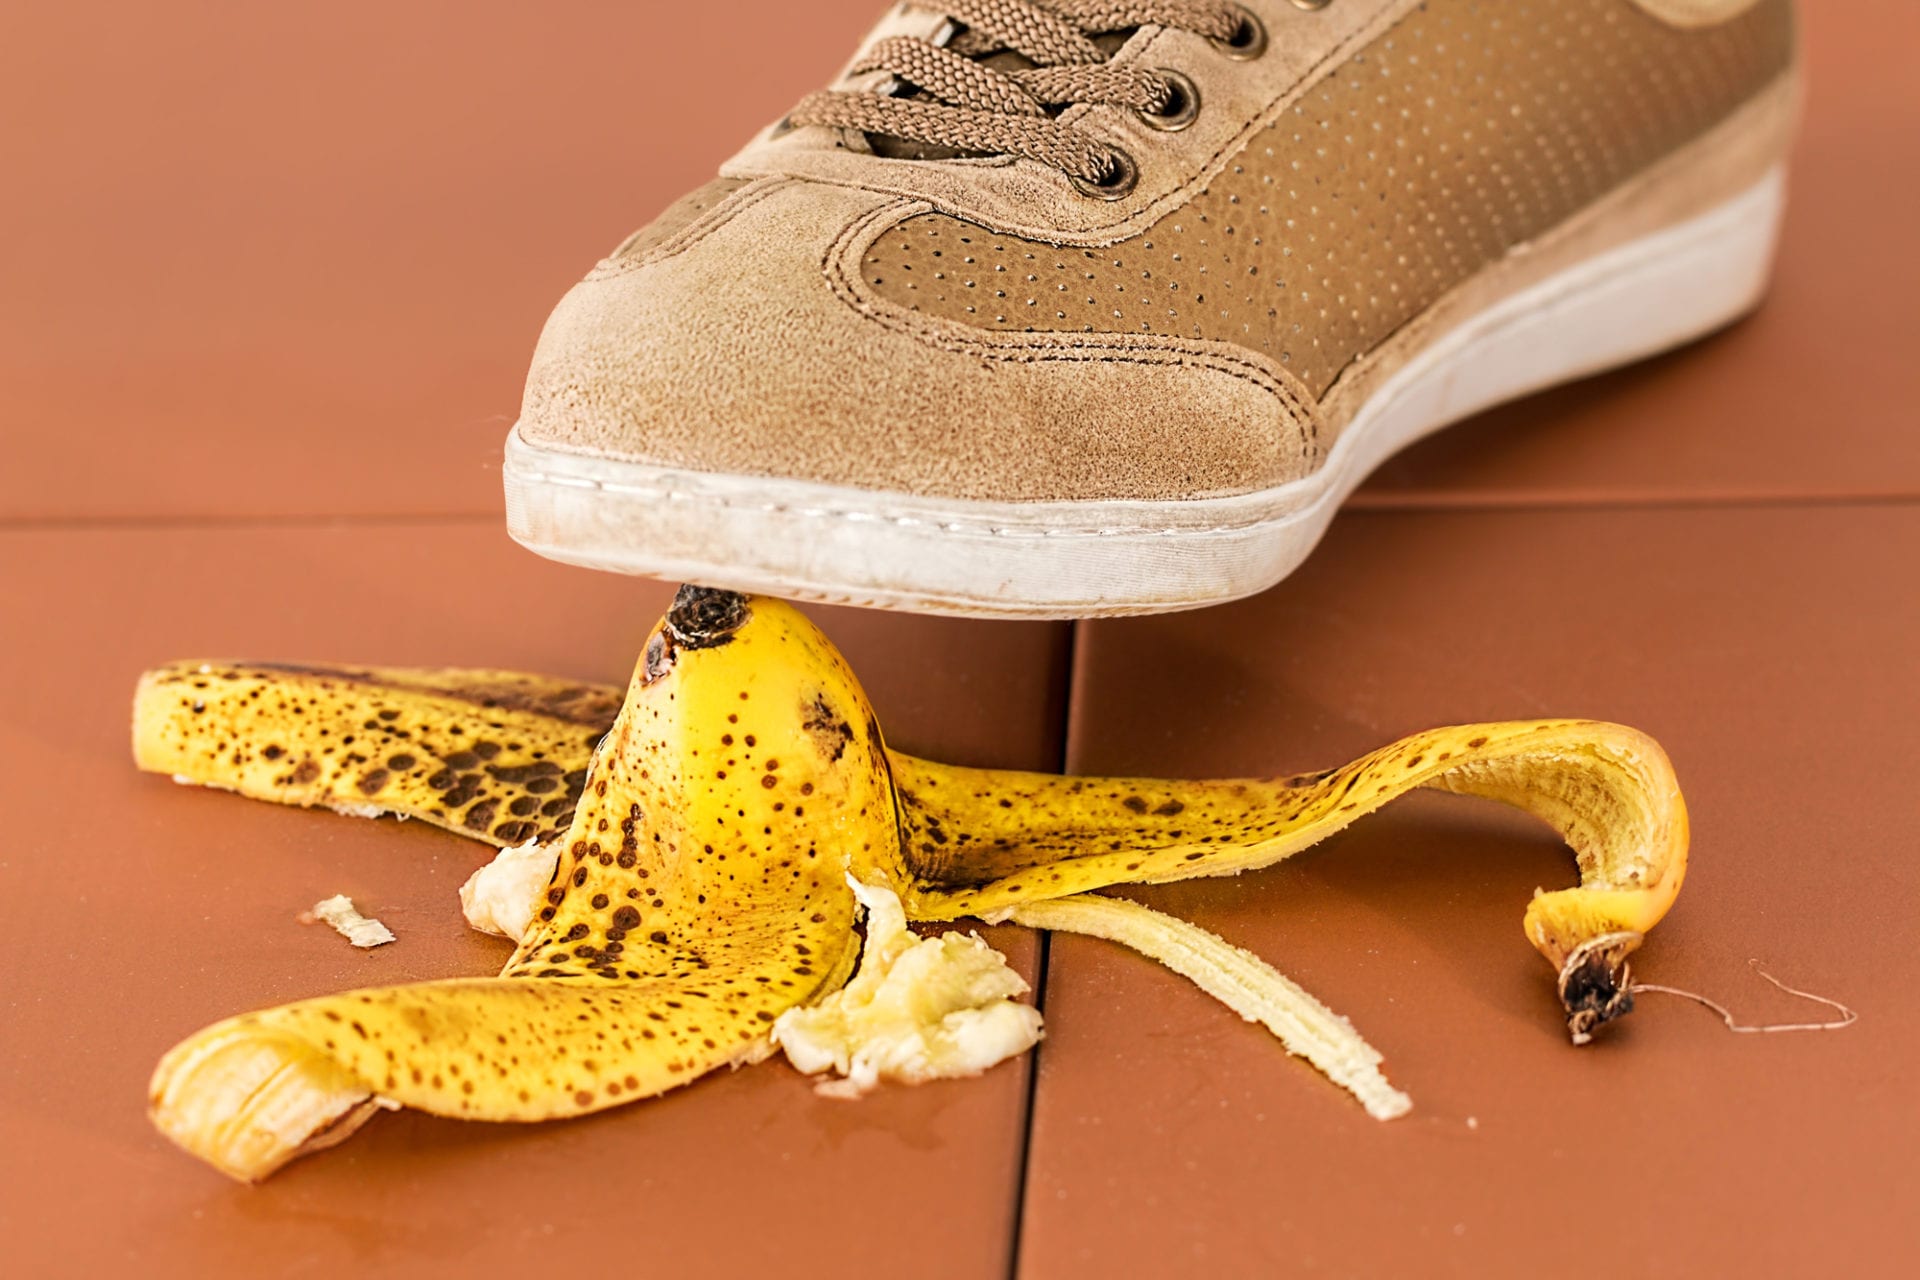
<point x="1238" y="979"/>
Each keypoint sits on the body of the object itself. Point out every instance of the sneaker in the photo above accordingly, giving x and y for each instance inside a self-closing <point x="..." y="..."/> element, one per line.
<point x="1066" y="308"/>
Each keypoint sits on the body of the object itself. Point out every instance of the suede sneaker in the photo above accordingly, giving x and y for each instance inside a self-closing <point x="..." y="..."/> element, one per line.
<point x="1057" y="308"/>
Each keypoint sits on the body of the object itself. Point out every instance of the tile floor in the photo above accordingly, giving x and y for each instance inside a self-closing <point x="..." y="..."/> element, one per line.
<point x="257" y="349"/>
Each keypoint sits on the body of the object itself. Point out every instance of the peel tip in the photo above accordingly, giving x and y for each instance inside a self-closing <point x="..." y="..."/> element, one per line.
<point x="247" y="1099"/>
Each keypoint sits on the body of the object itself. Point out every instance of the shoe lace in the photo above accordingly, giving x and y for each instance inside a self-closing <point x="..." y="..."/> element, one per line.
<point x="997" y="76"/>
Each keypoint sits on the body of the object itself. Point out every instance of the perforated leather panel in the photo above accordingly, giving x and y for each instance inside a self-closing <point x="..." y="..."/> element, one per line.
<point x="1469" y="128"/>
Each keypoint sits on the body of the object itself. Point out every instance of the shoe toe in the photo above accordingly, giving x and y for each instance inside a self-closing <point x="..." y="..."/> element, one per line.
<point x="737" y="341"/>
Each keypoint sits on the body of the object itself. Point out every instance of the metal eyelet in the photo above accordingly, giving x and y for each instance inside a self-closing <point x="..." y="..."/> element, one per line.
<point x="1311" y="5"/>
<point x="1182" y="106"/>
<point x="1248" y="41"/>
<point x="1119" y="183"/>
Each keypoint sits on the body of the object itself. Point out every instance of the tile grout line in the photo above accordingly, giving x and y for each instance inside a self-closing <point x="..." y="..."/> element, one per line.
<point x="1017" y="1234"/>
<point x="1042" y="965"/>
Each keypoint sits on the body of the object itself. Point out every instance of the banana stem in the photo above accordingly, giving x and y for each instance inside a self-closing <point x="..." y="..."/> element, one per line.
<point x="1238" y="979"/>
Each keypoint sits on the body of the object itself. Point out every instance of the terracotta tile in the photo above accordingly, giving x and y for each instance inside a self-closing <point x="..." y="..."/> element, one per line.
<point x="1773" y="652"/>
<point x="1811" y="396"/>
<point x="292" y="259"/>
<point x="136" y="911"/>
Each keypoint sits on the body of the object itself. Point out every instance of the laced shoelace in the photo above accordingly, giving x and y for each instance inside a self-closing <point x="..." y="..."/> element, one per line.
<point x="968" y="105"/>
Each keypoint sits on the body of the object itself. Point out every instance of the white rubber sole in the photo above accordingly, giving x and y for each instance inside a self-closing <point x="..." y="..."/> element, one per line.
<point x="843" y="545"/>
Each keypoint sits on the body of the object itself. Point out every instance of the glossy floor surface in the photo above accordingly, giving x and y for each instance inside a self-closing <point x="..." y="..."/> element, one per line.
<point x="263" y="313"/>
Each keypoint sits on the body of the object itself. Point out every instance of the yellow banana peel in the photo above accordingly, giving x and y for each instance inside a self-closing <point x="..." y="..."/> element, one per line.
<point x="706" y="842"/>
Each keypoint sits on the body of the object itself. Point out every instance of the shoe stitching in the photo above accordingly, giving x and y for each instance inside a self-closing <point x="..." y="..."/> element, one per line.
<point x="853" y="516"/>
<point x="1543" y="304"/>
<point x="699" y="229"/>
<point x="1546" y="302"/>
<point x="764" y="181"/>
<point x="1054" y="348"/>
<point x="947" y="306"/>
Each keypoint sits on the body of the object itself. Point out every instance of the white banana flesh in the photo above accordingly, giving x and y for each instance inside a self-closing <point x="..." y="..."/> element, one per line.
<point x="919" y="1009"/>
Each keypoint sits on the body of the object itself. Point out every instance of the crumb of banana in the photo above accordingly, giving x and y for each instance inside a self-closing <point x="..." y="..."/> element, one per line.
<point x="919" y="1009"/>
<point x="347" y="921"/>
<point x="501" y="897"/>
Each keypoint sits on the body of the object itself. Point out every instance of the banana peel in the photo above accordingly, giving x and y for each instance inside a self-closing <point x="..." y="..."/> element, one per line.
<point x="494" y="755"/>
<point x="710" y="835"/>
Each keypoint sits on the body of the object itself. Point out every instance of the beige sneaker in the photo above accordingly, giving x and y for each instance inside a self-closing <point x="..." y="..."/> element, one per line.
<point x="1080" y="307"/>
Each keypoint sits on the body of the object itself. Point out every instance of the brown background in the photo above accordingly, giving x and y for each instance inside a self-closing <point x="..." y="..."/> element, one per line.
<point x="269" y="275"/>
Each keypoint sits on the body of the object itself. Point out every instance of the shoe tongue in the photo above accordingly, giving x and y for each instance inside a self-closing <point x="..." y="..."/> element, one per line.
<point x="999" y="60"/>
